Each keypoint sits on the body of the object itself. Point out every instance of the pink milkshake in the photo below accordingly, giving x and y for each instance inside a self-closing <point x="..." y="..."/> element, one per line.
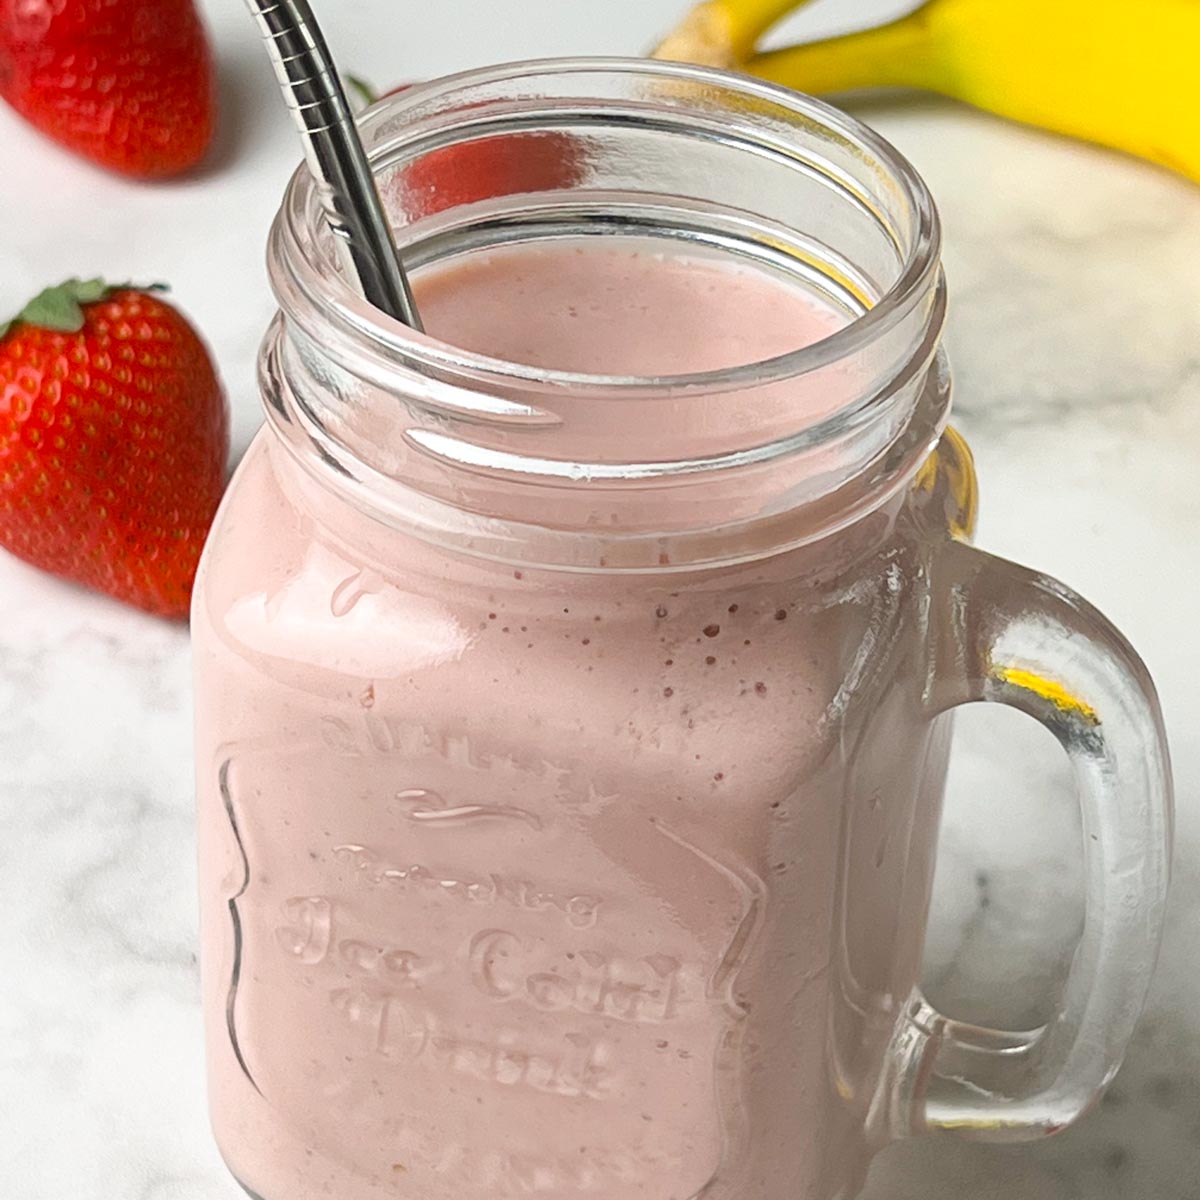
<point x="554" y="883"/>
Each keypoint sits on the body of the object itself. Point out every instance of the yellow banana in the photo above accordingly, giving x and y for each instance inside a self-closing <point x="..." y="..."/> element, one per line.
<point x="723" y="33"/>
<point x="1116" y="72"/>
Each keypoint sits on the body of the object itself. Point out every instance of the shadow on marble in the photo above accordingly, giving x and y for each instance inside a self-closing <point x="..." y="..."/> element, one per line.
<point x="247" y="98"/>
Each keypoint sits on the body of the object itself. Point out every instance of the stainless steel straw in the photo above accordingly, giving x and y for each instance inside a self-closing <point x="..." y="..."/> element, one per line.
<point x="313" y="91"/>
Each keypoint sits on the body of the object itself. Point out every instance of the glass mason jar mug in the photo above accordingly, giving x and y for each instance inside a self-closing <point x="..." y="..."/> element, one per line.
<point x="571" y="746"/>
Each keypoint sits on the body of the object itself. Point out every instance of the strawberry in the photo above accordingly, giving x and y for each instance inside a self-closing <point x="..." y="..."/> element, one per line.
<point x="500" y="165"/>
<point x="126" y="83"/>
<point x="113" y="441"/>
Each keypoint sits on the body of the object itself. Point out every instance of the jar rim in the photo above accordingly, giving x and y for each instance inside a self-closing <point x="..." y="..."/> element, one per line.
<point x="335" y="298"/>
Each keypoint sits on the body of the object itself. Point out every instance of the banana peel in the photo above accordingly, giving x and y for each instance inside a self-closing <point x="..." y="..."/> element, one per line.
<point x="723" y="33"/>
<point x="1111" y="72"/>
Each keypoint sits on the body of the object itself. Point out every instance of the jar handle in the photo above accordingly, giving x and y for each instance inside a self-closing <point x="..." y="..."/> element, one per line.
<point x="1014" y="637"/>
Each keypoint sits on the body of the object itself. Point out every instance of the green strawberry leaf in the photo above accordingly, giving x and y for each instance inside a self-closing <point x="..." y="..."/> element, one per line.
<point x="360" y="90"/>
<point x="88" y="291"/>
<point x="61" y="308"/>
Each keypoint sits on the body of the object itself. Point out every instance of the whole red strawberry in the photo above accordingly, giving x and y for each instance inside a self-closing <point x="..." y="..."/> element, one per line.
<point x="126" y="83"/>
<point x="113" y="441"/>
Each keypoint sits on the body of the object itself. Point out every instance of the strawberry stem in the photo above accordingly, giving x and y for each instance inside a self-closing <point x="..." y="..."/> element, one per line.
<point x="365" y="94"/>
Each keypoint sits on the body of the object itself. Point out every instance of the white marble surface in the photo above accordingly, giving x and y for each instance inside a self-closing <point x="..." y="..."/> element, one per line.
<point x="1074" y="334"/>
